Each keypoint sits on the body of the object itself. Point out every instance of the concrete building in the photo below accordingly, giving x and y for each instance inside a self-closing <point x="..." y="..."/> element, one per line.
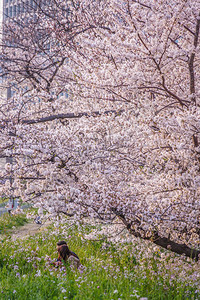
<point x="16" y="8"/>
<point x="10" y="10"/>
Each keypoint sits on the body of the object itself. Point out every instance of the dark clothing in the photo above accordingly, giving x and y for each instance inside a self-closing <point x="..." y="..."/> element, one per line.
<point x="74" y="254"/>
<point x="71" y="253"/>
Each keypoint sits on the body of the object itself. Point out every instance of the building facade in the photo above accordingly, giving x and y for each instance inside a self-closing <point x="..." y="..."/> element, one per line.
<point x="16" y="8"/>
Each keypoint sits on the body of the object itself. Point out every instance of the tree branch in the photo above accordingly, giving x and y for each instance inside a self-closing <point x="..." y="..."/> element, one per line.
<point x="191" y="62"/>
<point x="164" y="242"/>
<point x="71" y="116"/>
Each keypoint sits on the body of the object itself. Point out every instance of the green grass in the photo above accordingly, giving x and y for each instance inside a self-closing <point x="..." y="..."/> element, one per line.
<point x="3" y="200"/>
<point x="112" y="271"/>
<point x="9" y="221"/>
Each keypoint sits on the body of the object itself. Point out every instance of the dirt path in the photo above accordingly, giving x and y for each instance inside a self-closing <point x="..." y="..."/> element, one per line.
<point x="29" y="229"/>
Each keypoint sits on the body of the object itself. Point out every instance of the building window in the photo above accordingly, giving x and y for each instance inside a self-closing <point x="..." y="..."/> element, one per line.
<point x="18" y="8"/>
<point x="6" y="12"/>
<point x="27" y="6"/>
<point x="10" y="12"/>
<point x="35" y="5"/>
<point x="22" y="7"/>
<point x="14" y="10"/>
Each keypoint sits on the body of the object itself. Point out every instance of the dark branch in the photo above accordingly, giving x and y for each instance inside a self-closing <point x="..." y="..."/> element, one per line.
<point x="191" y="62"/>
<point x="164" y="242"/>
<point x="71" y="116"/>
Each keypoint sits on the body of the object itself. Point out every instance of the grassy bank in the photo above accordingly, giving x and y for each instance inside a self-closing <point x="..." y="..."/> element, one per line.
<point x="3" y="200"/>
<point x="9" y="221"/>
<point x="118" y="270"/>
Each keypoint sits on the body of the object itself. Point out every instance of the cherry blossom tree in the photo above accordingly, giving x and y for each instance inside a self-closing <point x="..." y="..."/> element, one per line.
<point x="104" y="121"/>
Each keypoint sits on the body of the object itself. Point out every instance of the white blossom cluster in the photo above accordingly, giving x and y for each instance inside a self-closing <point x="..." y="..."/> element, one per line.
<point x="132" y="69"/>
